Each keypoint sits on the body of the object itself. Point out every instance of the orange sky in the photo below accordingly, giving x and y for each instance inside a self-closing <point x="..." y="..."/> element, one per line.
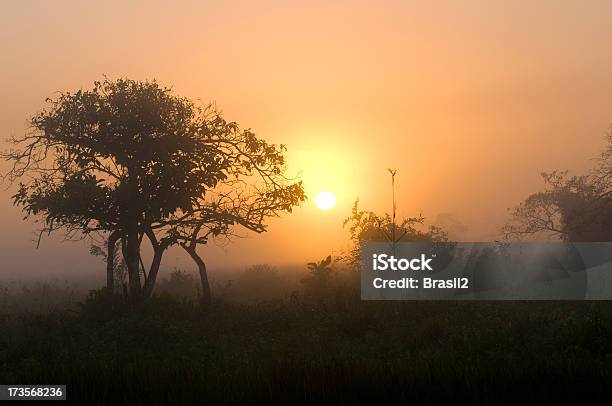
<point x="468" y="100"/>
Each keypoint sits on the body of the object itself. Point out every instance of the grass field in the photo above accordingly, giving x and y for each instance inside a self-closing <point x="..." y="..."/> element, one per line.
<point x="335" y="349"/>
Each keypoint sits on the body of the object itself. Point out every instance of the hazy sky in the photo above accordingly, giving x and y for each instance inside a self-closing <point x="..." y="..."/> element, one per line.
<point x="469" y="100"/>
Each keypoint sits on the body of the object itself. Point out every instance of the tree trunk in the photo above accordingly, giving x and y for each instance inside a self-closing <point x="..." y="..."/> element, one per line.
<point x="110" y="261"/>
<point x="206" y="296"/>
<point x="132" y="259"/>
<point x="158" y="252"/>
<point x="155" y="264"/>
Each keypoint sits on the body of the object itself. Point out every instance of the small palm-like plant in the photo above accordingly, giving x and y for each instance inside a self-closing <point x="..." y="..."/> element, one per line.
<point x="320" y="273"/>
<point x="321" y="267"/>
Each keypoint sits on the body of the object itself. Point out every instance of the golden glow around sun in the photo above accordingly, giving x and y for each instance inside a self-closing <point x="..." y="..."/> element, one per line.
<point x="325" y="200"/>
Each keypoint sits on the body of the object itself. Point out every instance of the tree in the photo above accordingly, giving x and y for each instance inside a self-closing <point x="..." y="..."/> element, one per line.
<point x="232" y="204"/>
<point x="367" y="226"/>
<point x="571" y="208"/>
<point x="574" y="209"/>
<point x="130" y="159"/>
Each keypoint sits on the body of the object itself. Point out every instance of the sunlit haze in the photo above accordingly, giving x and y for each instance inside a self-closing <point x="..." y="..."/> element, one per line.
<point x="468" y="100"/>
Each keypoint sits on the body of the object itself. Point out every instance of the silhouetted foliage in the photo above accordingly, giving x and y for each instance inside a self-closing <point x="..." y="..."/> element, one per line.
<point x="321" y="267"/>
<point x="179" y="284"/>
<point x="255" y="284"/>
<point x="576" y="208"/>
<point x="166" y="352"/>
<point x="131" y="159"/>
<point x="319" y="275"/>
<point x="367" y="226"/>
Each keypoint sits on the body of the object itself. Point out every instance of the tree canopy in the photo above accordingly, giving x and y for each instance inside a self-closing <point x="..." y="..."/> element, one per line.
<point x="367" y="226"/>
<point x="572" y="208"/>
<point x="132" y="159"/>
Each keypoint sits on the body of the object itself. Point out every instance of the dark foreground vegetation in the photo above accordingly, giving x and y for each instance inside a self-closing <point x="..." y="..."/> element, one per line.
<point x="313" y="349"/>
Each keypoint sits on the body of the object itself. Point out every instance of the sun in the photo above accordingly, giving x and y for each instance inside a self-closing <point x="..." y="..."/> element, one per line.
<point x="325" y="200"/>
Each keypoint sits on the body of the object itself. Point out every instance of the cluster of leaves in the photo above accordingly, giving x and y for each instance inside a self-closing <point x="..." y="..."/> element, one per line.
<point x="573" y="208"/>
<point x="128" y="146"/>
<point x="367" y="226"/>
<point x="319" y="275"/>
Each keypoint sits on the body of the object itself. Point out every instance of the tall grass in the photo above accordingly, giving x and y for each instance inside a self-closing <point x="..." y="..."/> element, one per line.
<point x="316" y="352"/>
<point x="334" y="349"/>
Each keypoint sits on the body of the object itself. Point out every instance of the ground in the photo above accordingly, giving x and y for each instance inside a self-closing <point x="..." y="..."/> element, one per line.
<point x="335" y="350"/>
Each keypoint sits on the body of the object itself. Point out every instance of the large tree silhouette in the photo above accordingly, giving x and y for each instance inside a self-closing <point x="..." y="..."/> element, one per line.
<point x="131" y="159"/>
<point x="571" y="208"/>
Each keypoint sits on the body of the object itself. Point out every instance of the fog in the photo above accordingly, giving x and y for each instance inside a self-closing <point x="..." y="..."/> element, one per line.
<point x="468" y="101"/>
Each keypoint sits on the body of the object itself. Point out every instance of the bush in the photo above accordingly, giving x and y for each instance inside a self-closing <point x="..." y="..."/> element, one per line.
<point x="179" y="285"/>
